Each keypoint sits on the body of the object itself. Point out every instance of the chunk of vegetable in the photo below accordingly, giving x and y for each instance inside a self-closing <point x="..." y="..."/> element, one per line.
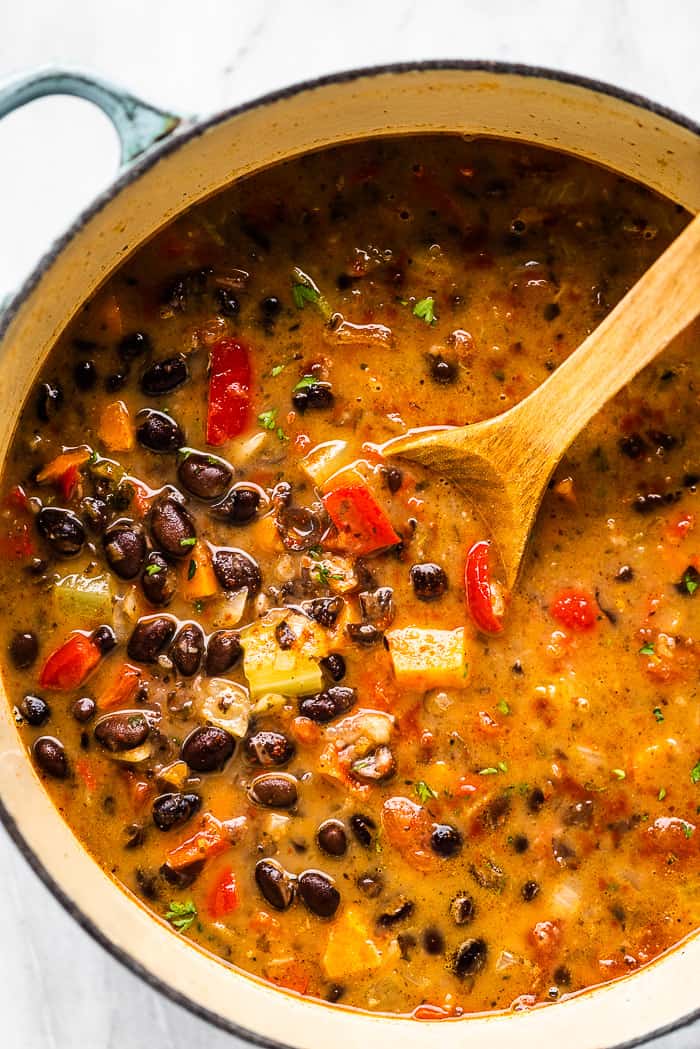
<point x="484" y="599"/>
<point x="293" y="671"/>
<point x="116" y="430"/>
<point x="350" y="950"/>
<point x="426" y="658"/>
<point x="66" y="463"/>
<point x="575" y="609"/>
<point x="226" y="704"/>
<point x="122" y="688"/>
<point x="363" y="526"/>
<point x="209" y="841"/>
<point x="323" y="460"/>
<point x="229" y="391"/>
<point x="87" y="598"/>
<point x="223" y="896"/>
<point x="70" y="664"/>
<point x="197" y="577"/>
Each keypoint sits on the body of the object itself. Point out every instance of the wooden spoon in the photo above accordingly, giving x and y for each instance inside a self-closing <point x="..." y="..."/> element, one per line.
<point x="504" y="464"/>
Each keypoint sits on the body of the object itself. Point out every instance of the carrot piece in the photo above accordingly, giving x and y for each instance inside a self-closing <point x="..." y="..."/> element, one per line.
<point x="290" y="973"/>
<point x="262" y="922"/>
<point x="197" y="577"/>
<point x="223" y="896"/>
<point x="209" y="841"/>
<point x="71" y="663"/>
<point x="55" y="470"/>
<point x="122" y="688"/>
<point x="115" y="427"/>
<point x="362" y="524"/>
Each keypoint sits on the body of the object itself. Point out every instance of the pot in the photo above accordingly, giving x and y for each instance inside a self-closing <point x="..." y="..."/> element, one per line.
<point x="168" y="165"/>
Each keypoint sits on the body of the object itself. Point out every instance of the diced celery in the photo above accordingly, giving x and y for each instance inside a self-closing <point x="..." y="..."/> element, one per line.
<point x="293" y="671"/>
<point x="85" y="600"/>
<point x="426" y="658"/>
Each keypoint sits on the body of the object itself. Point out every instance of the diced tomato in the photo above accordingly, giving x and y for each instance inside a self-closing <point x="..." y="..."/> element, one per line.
<point x="70" y="664"/>
<point x="223" y="897"/>
<point x="574" y="609"/>
<point x="545" y="937"/>
<point x="363" y="526"/>
<point x="487" y="724"/>
<point x="17" y="498"/>
<point x="305" y="730"/>
<point x="484" y="600"/>
<point x="69" y="482"/>
<point x="289" y="973"/>
<point x="407" y="827"/>
<point x="16" y="542"/>
<point x="229" y="390"/>
<point x="677" y="529"/>
<point x="122" y="688"/>
<point x="209" y="841"/>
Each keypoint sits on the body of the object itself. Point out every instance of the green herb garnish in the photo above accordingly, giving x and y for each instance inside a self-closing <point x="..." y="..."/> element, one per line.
<point x="662" y="794"/>
<point x="302" y="293"/>
<point x="277" y="370"/>
<point x="425" y="310"/>
<point x="181" y="915"/>
<point x="424" y="791"/>
<point x="659" y="714"/>
<point x="619" y="773"/>
<point x="153" y="569"/>
<point x="688" y="830"/>
<point x="191" y="569"/>
<point x="647" y="649"/>
<point x="268" y="419"/>
<point x="502" y="705"/>
<point x="187" y="543"/>
<point x="695" y="773"/>
<point x="324" y="574"/>
<point x="306" y="381"/>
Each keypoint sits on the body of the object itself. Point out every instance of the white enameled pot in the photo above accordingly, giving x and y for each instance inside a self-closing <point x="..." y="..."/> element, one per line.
<point x="169" y="165"/>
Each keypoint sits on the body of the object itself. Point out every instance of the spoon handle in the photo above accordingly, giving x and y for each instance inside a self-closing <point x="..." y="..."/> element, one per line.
<point x="660" y="306"/>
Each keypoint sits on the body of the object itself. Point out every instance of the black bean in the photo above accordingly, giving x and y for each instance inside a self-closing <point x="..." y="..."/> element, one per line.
<point x="226" y="302"/>
<point x="562" y="976"/>
<point x="274" y="790"/>
<point x="364" y="634"/>
<point x="529" y="890"/>
<point x="689" y="581"/>
<point x="442" y="371"/>
<point x="393" y="479"/>
<point x="363" y="827"/>
<point x="377" y="607"/>
<point x="271" y="306"/>
<point x="329" y="704"/>
<point x="172" y="528"/>
<point x="158" y="580"/>
<point x="158" y="431"/>
<point x="316" y="396"/>
<point x="564" y="854"/>
<point x="94" y="513"/>
<point x="331" y="837"/>
<point x="284" y="636"/>
<point x="164" y="376"/>
<point x="49" y="400"/>
<point x="370" y="885"/>
<point x="469" y="958"/>
<point x="299" y="527"/>
<point x="34" y="710"/>
<point x="496" y="811"/>
<point x="334" y="665"/>
<point x="224" y="649"/>
<point x="135" y="836"/>
<point x="335" y="992"/>
<point x="187" y="650"/>
<point x="691" y="480"/>
<point x="116" y="380"/>
<point x="240" y="505"/>
<point x="551" y="311"/>
<point x="445" y="840"/>
<point x="401" y="910"/>
<point x="433" y="941"/>
<point x="123" y="730"/>
<point x="235" y="569"/>
<point x="521" y="843"/>
<point x="579" y="814"/>
<point x="50" y="756"/>
<point x="624" y="574"/>
<point x="125" y="548"/>
<point x="535" y="799"/>
<point x="318" y="892"/>
<point x="133" y="345"/>
<point x="633" y="446"/>
<point x="429" y="581"/>
<point x="663" y="441"/>
<point x="24" y="648"/>
<point x="275" y="883"/>
<point x="462" y="908"/>
<point x="62" y="529"/>
<point x="202" y="475"/>
<point x="325" y="610"/>
<point x="83" y="709"/>
<point x="149" y="637"/>
<point x="184" y="287"/>
<point x="104" y="639"/>
<point x="172" y="810"/>
<point x="207" y="748"/>
<point x="182" y="877"/>
<point x="648" y="503"/>
<point x="269" y="748"/>
<point x="85" y="375"/>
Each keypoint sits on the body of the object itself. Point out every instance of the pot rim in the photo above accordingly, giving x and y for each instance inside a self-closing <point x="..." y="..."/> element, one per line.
<point x="187" y="131"/>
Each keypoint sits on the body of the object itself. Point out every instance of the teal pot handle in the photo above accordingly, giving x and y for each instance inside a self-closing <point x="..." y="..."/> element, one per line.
<point x="137" y="124"/>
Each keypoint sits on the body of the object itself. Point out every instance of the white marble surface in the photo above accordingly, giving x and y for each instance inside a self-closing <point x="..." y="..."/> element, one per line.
<point x="58" y="989"/>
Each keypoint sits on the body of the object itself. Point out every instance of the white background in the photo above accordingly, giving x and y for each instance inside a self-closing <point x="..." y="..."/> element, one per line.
<point x="58" y="989"/>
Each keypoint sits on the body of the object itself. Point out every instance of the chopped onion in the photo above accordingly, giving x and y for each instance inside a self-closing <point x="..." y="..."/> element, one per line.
<point x="226" y="704"/>
<point x="133" y="756"/>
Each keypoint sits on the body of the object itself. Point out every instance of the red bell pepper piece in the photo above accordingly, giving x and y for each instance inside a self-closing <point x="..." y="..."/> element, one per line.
<point x="229" y="390"/>
<point x="362" y="525"/>
<point x="223" y="897"/>
<point x="482" y="598"/>
<point x="16" y="542"/>
<point x="69" y="482"/>
<point x="575" y="609"/>
<point x="70" y="664"/>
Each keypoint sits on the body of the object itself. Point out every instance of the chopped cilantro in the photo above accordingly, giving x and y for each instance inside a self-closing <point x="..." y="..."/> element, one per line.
<point x="662" y="794"/>
<point x="302" y="293"/>
<point x="659" y="714"/>
<point x="198" y="607"/>
<point x="181" y="915"/>
<point x="688" y="830"/>
<point x="281" y="435"/>
<point x="277" y="370"/>
<point x="695" y="773"/>
<point x="690" y="580"/>
<point x="191" y="569"/>
<point x="188" y="542"/>
<point x="502" y="767"/>
<point x="490" y="771"/>
<point x="425" y="310"/>
<point x="424" y="791"/>
<point x="619" y="773"/>
<point x="324" y="574"/>
<point x="502" y="705"/>
<point x="93" y="458"/>
<point x="647" y="649"/>
<point x="268" y="419"/>
<point x="153" y="569"/>
<point x="305" y="381"/>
